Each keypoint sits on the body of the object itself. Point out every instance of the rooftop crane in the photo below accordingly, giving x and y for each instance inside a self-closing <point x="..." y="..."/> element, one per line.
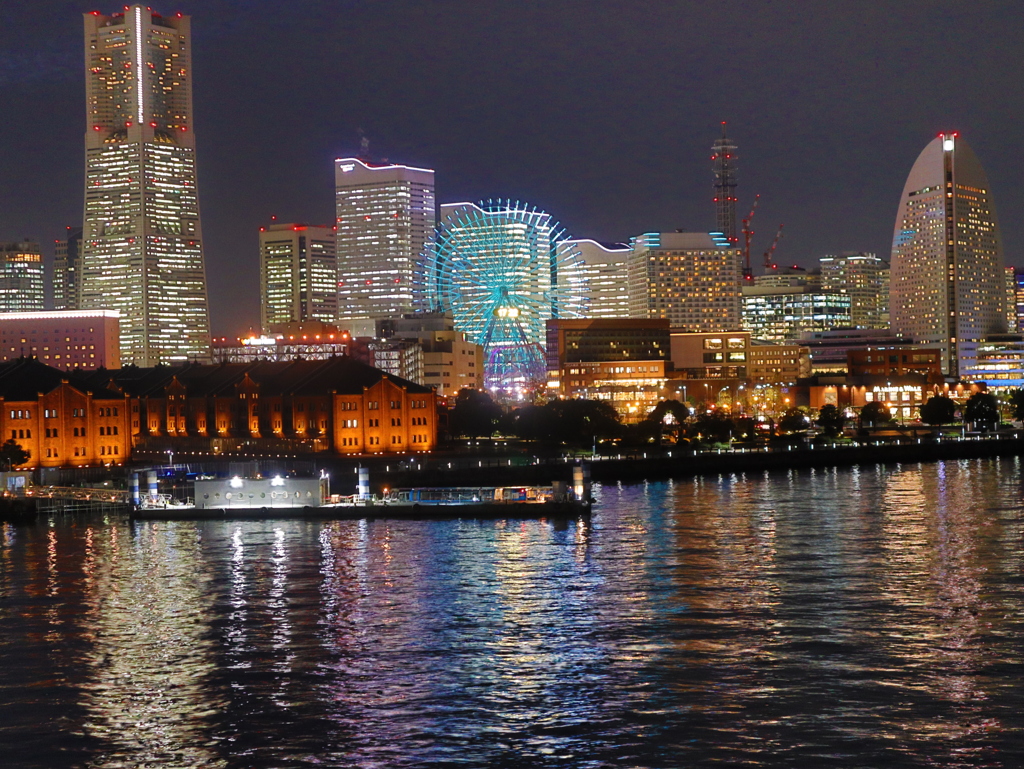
<point x="768" y="265"/>
<point x="747" y="233"/>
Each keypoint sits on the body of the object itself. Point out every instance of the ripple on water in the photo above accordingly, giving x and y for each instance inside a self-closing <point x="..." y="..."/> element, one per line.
<point x="865" y="617"/>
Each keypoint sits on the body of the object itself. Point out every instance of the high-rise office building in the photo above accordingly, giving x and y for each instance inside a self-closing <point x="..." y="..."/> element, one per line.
<point x="603" y="270"/>
<point x="947" y="286"/>
<point x="783" y="313"/>
<point x="385" y="217"/>
<point x="862" y="277"/>
<point x="693" y="279"/>
<point x="22" y="285"/>
<point x="298" y="274"/>
<point x="66" y="270"/>
<point x="142" y="244"/>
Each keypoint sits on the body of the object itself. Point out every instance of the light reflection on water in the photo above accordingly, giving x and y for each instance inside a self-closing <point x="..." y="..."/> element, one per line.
<point x="863" y="617"/>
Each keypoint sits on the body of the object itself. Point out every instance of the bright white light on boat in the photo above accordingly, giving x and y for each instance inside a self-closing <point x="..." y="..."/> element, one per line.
<point x="236" y="482"/>
<point x="277" y="480"/>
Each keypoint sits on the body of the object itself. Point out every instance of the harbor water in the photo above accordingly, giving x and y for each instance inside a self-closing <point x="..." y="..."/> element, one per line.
<point x="859" y="617"/>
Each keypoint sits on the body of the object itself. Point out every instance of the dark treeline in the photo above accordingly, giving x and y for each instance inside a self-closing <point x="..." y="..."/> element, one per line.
<point x="585" y="423"/>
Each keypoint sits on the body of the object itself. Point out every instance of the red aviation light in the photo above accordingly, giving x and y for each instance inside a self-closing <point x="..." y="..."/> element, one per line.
<point x="152" y="124"/>
<point x="97" y="128"/>
<point x="127" y="123"/>
<point x="183" y="128"/>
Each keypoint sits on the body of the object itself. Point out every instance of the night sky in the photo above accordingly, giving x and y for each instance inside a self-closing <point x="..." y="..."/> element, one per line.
<point x="602" y="113"/>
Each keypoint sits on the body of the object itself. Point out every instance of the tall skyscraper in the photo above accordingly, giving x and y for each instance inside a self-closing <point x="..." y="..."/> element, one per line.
<point x="946" y="283"/>
<point x="691" y="278"/>
<point x="862" y="277"/>
<point x="142" y="244"/>
<point x="21" y="277"/>
<point x="385" y="217"/>
<point x="298" y="274"/>
<point x="66" y="270"/>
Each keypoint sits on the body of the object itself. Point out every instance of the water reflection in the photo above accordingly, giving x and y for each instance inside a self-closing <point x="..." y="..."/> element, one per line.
<point x="863" y="617"/>
<point x="145" y="692"/>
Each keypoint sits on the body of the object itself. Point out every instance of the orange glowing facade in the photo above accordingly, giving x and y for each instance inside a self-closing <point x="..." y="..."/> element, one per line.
<point x="61" y="418"/>
<point x="337" y="405"/>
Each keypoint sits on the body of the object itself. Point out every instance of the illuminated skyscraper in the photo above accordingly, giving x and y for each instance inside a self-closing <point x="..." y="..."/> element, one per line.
<point x="603" y="270"/>
<point x="691" y="278"/>
<point x="298" y="274"/>
<point x="385" y="216"/>
<point x="142" y="244"/>
<point x="947" y="286"/>
<point x="21" y="277"/>
<point x="862" y="277"/>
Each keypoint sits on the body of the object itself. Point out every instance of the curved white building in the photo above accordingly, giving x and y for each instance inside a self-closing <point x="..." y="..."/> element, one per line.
<point x="947" y="285"/>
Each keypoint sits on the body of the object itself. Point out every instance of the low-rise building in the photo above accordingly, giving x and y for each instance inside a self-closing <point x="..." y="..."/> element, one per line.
<point x="1000" y="361"/>
<point x="337" y="404"/>
<point x="896" y="361"/>
<point x="431" y="352"/>
<point x="61" y="418"/>
<point x="709" y="366"/>
<point x="621" y="360"/>
<point x="830" y="348"/>
<point x="65" y="339"/>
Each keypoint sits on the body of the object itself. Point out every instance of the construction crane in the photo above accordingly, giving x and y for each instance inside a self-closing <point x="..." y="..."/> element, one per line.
<point x="768" y="264"/>
<point x="747" y="233"/>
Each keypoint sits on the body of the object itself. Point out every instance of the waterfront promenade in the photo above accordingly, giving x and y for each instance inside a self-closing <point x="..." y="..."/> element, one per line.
<point x="505" y="465"/>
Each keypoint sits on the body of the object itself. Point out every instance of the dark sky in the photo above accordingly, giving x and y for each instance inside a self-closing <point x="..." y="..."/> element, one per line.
<point x="601" y="113"/>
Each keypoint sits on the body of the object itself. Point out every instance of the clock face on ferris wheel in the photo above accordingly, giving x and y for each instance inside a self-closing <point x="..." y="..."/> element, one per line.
<point x="502" y="270"/>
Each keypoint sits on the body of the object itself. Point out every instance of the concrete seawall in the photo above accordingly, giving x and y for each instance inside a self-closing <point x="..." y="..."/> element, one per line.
<point x="685" y="463"/>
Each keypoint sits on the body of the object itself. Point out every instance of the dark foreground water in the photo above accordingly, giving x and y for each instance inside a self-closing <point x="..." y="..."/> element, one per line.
<point x="869" y="618"/>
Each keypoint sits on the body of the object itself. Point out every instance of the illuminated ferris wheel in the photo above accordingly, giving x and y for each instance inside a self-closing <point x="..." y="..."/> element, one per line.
<point x="503" y="269"/>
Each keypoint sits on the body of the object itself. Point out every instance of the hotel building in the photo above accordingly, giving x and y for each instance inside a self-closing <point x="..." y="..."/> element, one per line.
<point x="692" y="279"/>
<point x="298" y="274"/>
<point x="603" y="270"/>
<point x="64" y="339"/>
<point x="385" y="219"/>
<point x="142" y="243"/>
<point x="21" y="277"/>
<point x="947" y="283"/>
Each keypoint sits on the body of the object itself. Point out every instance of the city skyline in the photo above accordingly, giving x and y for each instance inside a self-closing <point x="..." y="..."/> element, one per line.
<point x="815" y="130"/>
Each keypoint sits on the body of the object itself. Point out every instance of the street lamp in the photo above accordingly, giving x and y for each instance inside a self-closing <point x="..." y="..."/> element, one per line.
<point x="170" y="456"/>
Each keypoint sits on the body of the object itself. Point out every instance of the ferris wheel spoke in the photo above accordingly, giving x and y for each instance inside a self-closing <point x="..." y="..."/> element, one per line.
<point x="502" y="268"/>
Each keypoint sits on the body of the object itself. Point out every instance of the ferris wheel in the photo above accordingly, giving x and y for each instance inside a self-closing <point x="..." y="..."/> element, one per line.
<point x="502" y="270"/>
